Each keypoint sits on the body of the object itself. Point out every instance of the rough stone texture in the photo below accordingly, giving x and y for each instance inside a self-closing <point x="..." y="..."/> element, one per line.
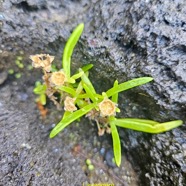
<point x="123" y="39"/>
<point x="27" y="156"/>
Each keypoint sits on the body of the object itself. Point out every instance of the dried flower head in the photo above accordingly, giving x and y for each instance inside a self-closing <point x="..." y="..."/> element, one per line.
<point x="107" y="107"/>
<point x="42" y="61"/>
<point x="58" y="78"/>
<point x="69" y="104"/>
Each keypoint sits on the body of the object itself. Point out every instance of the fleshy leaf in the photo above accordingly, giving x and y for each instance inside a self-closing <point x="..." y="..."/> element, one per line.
<point x="68" y="90"/>
<point x="78" y="75"/>
<point x="70" y="118"/>
<point x="79" y="88"/>
<point x="89" y="93"/>
<point x="42" y="99"/>
<point x="115" y="96"/>
<point x="69" y="47"/>
<point x="116" y="144"/>
<point x="148" y="126"/>
<point x="86" y="80"/>
<point x="40" y="89"/>
<point x="87" y="67"/>
<point x="128" y="85"/>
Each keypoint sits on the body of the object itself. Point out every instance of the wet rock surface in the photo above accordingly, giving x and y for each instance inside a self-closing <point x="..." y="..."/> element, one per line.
<point x="29" y="157"/>
<point x="123" y="39"/>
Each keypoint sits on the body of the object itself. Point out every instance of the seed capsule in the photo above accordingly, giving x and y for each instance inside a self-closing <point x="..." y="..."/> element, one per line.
<point x="69" y="104"/>
<point x="107" y="108"/>
<point x="42" y="61"/>
<point x="58" y="78"/>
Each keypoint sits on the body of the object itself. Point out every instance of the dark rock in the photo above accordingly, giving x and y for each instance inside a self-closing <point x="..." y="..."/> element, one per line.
<point x="3" y="77"/>
<point x="109" y="156"/>
<point x="124" y="40"/>
<point x="23" y="160"/>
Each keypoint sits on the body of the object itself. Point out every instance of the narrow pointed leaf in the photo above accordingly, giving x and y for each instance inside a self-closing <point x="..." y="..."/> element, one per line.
<point x="86" y="80"/>
<point x="116" y="144"/>
<point x="115" y="96"/>
<point x="87" y="67"/>
<point x="40" y="89"/>
<point x="66" y="113"/>
<point x="69" y="47"/>
<point x="68" y="90"/>
<point x="89" y="93"/>
<point x="78" y="75"/>
<point x="42" y="99"/>
<point x="169" y="125"/>
<point x="71" y="80"/>
<point x="146" y="125"/>
<point x="70" y="118"/>
<point x="83" y="96"/>
<point x="128" y="85"/>
<point x="79" y="89"/>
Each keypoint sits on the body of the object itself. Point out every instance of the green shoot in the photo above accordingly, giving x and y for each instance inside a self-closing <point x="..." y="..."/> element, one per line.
<point x="115" y="96"/>
<point x="128" y="85"/>
<point x="40" y="89"/>
<point x="148" y="126"/>
<point x="89" y="93"/>
<point x="70" y="118"/>
<point x="86" y="80"/>
<point x="87" y="67"/>
<point x="67" y="90"/>
<point x="42" y="99"/>
<point x="78" y="75"/>
<point x="79" y="88"/>
<point x="116" y="144"/>
<point x="69" y="47"/>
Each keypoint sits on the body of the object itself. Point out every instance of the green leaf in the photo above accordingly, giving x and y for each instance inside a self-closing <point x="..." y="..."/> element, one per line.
<point x="128" y="85"/>
<point x="71" y="80"/>
<point x="66" y="113"/>
<point x="116" y="144"/>
<point x="90" y="93"/>
<point x="81" y="103"/>
<point x="70" y="118"/>
<point x="42" y="99"/>
<point x="115" y="96"/>
<point x="169" y="125"/>
<point x="79" y="88"/>
<point x="148" y="126"/>
<point x="68" y="90"/>
<point x="78" y="75"/>
<point x="69" y="47"/>
<point x="40" y="89"/>
<point x="83" y="96"/>
<point x="54" y="68"/>
<point x="86" y="80"/>
<point x="87" y="67"/>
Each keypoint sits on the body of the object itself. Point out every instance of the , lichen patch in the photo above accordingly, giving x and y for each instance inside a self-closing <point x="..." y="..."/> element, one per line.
<point x="107" y="108"/>
<point x="42" y="61"/>
<point x="58" y="78"/>
<point x="69" y="104"/>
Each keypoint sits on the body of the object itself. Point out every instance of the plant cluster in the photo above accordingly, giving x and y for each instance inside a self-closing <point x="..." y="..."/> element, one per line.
<point x="79" y="97"/>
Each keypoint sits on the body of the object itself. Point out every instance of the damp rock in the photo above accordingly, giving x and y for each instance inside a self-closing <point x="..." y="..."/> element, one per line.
<point x="3" y="77"/>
